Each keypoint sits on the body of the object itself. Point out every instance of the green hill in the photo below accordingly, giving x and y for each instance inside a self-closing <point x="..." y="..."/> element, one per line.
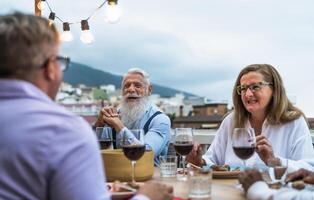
<point x="83" y="74"/>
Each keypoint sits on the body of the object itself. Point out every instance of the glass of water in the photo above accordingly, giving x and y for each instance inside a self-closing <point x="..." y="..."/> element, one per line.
<point x="200" y="184"/>
<point x="168" y="166"/>
<point x="277" y="170"/>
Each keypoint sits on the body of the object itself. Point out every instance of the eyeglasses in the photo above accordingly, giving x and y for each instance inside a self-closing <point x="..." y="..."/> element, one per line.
<point x="64" y="62"/>
<point x="241" y="89"/>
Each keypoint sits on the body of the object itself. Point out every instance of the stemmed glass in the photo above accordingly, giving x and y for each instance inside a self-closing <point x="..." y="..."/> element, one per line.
<point x="133" y="147"/>
<point x="243" y="143"/>
<point x="104" y="136"/>
<point x="183" y="144"/>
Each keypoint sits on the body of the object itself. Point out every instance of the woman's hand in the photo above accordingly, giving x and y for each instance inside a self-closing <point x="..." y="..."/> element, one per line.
<point x="264" y="148"/>
<point x="195" y="156"/>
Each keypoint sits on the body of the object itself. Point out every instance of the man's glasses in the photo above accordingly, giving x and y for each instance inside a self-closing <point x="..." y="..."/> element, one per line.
<point x="64" y="62"/>
<point x="241" y="89"/>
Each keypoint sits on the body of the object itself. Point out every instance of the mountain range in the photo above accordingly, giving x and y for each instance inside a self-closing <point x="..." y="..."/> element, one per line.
<point x="83" y="74"/>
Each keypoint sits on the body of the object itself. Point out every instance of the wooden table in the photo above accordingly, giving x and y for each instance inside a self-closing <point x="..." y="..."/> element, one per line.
<point x="222" y="189"/>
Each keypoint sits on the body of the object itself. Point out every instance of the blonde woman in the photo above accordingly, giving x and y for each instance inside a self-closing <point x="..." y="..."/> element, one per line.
<point x="260" y="102"/>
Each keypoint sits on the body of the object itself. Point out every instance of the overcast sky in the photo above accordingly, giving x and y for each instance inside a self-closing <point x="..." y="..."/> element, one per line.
<point x="198" y="46"/>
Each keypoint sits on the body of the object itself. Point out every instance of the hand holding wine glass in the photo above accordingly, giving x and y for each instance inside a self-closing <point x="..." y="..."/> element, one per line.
<point x="183" y="144"/>
<point x="133" y="148"/>
<point x="195" y="156"/>
<point x="264" y="148"/>
<point x="243" y="143"/>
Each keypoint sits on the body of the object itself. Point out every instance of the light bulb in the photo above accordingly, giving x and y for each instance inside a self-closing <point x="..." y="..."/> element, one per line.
<point x="51" y="18"/>
<point x="66" y="36"/>
<point x="112" y="13"/>
<point x="41" y="5"/>
<point x="87" y="37"/>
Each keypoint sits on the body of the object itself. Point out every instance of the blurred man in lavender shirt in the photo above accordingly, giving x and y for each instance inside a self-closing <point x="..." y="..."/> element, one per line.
<point x="45" y="151"/>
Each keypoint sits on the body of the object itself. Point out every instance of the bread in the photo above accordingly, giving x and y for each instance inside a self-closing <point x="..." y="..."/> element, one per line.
<point x="299" y="185"/>
<point x="221" y="168"/>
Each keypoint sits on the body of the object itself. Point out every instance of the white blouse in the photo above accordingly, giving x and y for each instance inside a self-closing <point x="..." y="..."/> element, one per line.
<point x="291" y="141"/>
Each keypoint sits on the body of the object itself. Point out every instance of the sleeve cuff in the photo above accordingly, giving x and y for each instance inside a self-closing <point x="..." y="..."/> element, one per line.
<point x="207" y="161"/>
<point x="122" y="131"/>
<point x="260" y="190"/>
<point x="140" y="197"/>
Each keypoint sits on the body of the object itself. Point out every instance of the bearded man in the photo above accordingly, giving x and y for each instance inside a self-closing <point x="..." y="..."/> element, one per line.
<point x="138" y="112"/>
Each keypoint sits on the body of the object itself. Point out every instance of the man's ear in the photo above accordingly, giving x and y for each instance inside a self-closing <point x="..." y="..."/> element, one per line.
<point x="50" y="71"/>
<point x="150" y="89"/>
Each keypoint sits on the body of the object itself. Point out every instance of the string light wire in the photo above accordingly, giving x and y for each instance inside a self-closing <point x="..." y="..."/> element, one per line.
<point x="78" y="22"/>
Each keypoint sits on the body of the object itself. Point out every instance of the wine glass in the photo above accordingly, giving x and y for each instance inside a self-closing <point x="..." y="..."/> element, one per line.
<point x="277" y="169"/>
<point x="104" y="136"/>
<point x="243" y="143"/>
<point x="133" y="147"/>
<point x="183" y="144"/>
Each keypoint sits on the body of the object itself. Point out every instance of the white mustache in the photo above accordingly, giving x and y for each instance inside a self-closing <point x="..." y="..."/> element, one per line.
<point x="132" y="95"/>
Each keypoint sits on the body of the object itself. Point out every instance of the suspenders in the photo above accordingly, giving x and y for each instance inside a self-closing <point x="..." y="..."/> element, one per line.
<point x="149" y="120"/>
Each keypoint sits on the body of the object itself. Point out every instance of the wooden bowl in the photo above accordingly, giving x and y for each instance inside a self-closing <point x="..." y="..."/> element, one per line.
<point x="118" y="167"/>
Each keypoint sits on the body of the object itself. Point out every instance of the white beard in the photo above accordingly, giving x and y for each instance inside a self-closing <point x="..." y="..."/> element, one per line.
<point x="132" y="112"/>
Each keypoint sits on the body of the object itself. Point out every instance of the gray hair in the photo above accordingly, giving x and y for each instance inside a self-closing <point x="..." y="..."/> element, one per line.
<point x="138" y="71"/>
<point x="26" y="43"/>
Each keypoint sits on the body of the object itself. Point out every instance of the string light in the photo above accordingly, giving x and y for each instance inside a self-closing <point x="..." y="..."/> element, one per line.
<point x="112" y="16"/>
<point x="112" y="12"/>
<point x="86" y="36"/>
<point x="66" y="36"/>
<point x="41" y="5"/>
<point x="51" y="18"/>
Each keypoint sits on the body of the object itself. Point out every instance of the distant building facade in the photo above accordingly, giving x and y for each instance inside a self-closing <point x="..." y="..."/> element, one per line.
<point x="206" y="116"/>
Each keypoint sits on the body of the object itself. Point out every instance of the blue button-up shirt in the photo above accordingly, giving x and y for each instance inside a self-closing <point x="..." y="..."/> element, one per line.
<point x="158" y="135"/>
<point x="45" y="151"/>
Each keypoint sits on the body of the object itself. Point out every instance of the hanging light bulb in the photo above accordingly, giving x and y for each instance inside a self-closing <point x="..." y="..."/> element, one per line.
<point x="51" y="18"/>
<point x="42" y="5"/>
<point x="112" y="12"/>
<point x="66" y="36"/>
<point x="86" y="36"/>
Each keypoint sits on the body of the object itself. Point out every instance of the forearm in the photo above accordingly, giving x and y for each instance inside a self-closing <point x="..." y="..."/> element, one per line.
<point x="118" y="126"/>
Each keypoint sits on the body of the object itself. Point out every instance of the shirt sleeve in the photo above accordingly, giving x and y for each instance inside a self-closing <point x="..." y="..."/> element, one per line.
<point x="302" y="152"/>
<point x="261" y="191"/>
<point x="126" y="133"/>
<point x="140" y="197"/>
<point x="76" y="168"/>
<point x="158" y="135"/>
<point x="215" y="154"/>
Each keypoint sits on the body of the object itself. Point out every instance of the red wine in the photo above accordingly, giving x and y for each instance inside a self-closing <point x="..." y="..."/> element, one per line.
<point x="244" y="152"/>
<point x="104" y="144"/>
<point x="183" y="148"/>
<point x="134" y="152"/>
